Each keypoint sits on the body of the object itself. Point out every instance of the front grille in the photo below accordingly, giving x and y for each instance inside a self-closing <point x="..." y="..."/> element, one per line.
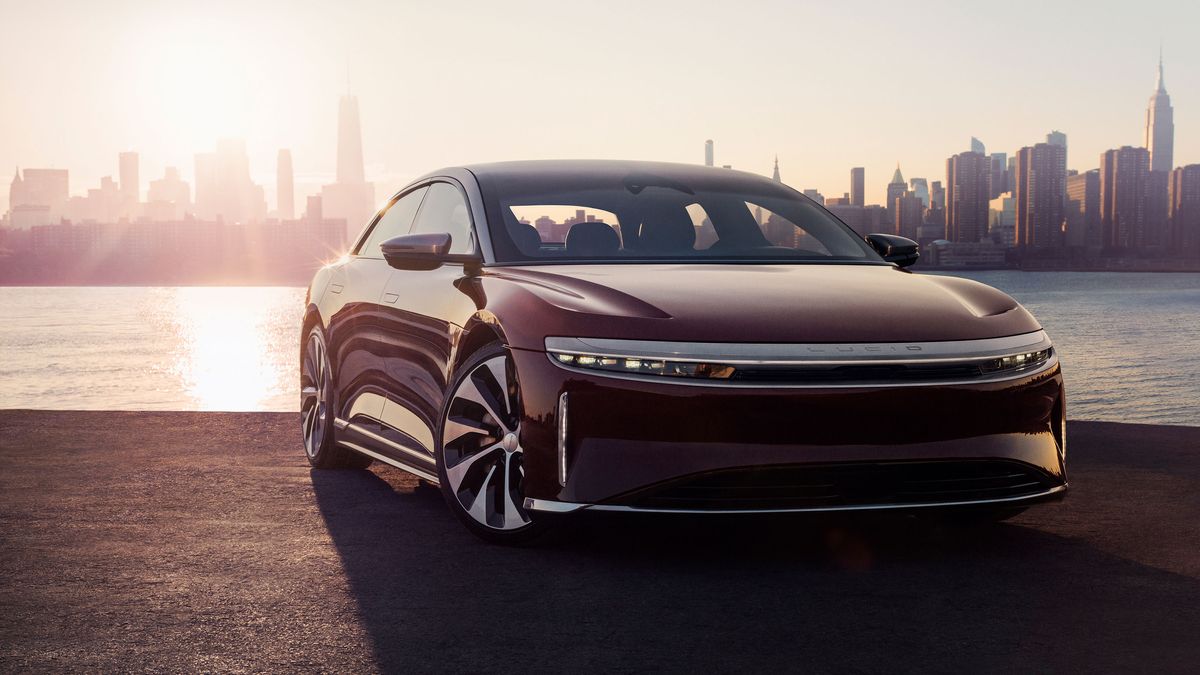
<point x="850" y="484"/>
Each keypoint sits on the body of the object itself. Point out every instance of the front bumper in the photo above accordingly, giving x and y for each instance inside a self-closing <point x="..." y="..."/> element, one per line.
<point x="631" y="440"/>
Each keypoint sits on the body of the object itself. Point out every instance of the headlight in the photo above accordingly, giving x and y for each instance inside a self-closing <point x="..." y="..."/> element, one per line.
<point x="1017" y="361"/>
<point x="619" y="364"/>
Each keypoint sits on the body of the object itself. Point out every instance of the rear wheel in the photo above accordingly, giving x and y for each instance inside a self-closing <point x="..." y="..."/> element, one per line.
<point x="480" y="461"/>
<point x="317" y="406"/>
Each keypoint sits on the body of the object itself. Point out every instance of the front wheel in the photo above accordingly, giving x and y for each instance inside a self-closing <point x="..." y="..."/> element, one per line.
<point x="480" y="460"/>
<point x="316" y="408"/>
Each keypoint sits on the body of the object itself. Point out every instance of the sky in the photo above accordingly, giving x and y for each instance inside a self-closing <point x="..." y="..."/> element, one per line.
<point x="823" y="85"/>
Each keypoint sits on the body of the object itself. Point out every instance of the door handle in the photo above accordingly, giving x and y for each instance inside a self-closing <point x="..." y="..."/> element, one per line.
<point x="390" y="298"/>
<point x="335" y="288"/>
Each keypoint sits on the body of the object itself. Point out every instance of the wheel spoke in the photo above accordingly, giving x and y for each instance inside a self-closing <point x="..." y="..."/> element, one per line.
<point x="470" y="391"/>
<point x="512" y="515"/>
<point x="457" y="427"/>
<point x="478" y="508"/>
<point x="459" y="471"/>
<point x="499" y="370"/>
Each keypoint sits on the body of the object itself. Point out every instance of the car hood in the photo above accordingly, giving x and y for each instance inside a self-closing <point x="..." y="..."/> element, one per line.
<point x="748" y="303"/>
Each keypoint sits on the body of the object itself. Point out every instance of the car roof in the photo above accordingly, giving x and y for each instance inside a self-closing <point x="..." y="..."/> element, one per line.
<point x="608" y="168"/>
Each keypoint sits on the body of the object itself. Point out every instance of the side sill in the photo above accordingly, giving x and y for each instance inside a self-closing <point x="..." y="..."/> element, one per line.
<point x="550" y="506"/>
<point x="389" y="461"/>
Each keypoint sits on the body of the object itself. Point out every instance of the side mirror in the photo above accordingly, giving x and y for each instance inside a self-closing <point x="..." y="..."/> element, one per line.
<point x="899" y="250"/>
<point x="420" y="251"/>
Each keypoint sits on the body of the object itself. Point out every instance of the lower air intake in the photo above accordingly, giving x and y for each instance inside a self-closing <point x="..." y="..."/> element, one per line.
<point x="851" y="484"/>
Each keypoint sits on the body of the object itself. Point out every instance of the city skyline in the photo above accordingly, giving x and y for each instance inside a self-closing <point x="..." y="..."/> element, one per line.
<point x="184" y="77"/>
<point x="350" y="195"/>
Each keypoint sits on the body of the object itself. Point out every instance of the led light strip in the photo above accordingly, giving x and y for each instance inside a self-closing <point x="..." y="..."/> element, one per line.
<point x="638" y="366"/>
<point x="723" y="371"/>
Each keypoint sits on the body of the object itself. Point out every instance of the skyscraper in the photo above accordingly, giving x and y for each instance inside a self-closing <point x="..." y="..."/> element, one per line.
<point x="920" y="188"/>
<point x="1057" y="138"/>
<point x="224" y="189"/>
<point x="708" y="152"/>
<point x="858" y="180"/>
<point x="937" y="195"/>
<point x="1160" y="126"/>
<point x="131" y="189"/>
<point x="775" y="174"/>
<point x="351" y="197"/>
<point x="977" y="146"/>
<point x="907" y="215"/>
<point x="1124" y="174"/>
<point x="40" y="195"/>
<point x="285" y="189"/>
<point x="999" y="174"/>
<point x="967" y="188"/>
<point x="1185" y="210"/>
<point x="895" y="190"/>
<point x="1040" y="193"/>
<point x="1083" y="209"/>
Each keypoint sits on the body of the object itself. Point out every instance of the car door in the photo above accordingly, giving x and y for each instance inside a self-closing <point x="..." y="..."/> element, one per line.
<point x="354" y="326"/>
<point x="425" y="311"/>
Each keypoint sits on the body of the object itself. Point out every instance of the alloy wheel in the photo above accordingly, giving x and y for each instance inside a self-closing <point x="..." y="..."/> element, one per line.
<point x="481" y="447"/>
<point x="314" y="393"/>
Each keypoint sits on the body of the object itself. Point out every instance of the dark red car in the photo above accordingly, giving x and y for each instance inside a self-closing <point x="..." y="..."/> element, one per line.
<point x="541" y="338"/>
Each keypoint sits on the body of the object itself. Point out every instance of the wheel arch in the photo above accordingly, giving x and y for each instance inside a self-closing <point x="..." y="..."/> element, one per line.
<point x="482" y="329"/>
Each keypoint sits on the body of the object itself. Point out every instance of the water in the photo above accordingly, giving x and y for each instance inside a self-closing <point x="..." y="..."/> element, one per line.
<point x="1130" y="344"/>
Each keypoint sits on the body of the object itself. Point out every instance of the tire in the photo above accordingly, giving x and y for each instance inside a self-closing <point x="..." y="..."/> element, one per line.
<point x="478" y="451"/>
<point x="317" y="406"/>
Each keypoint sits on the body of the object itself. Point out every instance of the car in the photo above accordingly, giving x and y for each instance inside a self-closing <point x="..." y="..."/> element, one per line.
<point x="546" y="338"/>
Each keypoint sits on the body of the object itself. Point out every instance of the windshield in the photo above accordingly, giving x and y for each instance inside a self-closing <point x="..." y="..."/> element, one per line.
<point x="630" y="215"/>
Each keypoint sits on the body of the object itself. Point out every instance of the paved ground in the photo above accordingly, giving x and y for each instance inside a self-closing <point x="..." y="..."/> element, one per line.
<point x="190" y="541"/>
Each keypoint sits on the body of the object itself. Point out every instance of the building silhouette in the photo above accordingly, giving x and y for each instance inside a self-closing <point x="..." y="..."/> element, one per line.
<point x="908" y="213"/>
<point x="895" y="190"/>
<point x="1002" y="223"/>
<point x="224" y="190"/>
<point x="37" y="197"/>
<point x="937" y="195"/>
<point x="708" y="152"/>
<point x="1124" y="175"/>
<point x="1057" y="138"/>
<point x="285" y="186"/>
<point x="858" y="180"/>
<point x="977" y="146"/>
<point x="775" y="174"/>
<point x="920" y="187"/>
<point x="1160" y="126"/>
<point x="1184" y="230"/>
<point x="1040" y="194"/>
<point x="168" y="198"/>
<point x="131" y="187"/>
<point x="351" y="198"/>
<point x="967" y="188"/>
<point x="1083" y="210"/>
<point x="999" y="174"/>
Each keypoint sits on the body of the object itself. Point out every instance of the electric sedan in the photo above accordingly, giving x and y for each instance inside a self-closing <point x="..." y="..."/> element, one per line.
<point x="551" y="337"/>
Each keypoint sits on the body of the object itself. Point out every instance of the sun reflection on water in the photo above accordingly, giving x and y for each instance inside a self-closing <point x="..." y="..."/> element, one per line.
<point x="230" y="352"/>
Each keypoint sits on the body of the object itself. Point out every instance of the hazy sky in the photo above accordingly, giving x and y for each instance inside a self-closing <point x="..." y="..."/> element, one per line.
<point x="825" y="85"/>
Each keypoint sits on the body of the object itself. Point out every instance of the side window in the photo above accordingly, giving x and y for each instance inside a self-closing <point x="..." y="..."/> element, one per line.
<point x="782" y="232"/>
<point x="445" y="210"/>
<point x="395" y="221"/>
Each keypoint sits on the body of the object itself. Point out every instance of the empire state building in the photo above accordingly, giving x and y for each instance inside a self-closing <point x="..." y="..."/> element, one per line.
<point x="1160" y="126"/>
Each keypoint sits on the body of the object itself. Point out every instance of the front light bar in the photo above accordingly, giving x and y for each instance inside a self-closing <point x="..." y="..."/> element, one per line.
<point x="638" y="366"/>
<point x="889" y="364"/>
